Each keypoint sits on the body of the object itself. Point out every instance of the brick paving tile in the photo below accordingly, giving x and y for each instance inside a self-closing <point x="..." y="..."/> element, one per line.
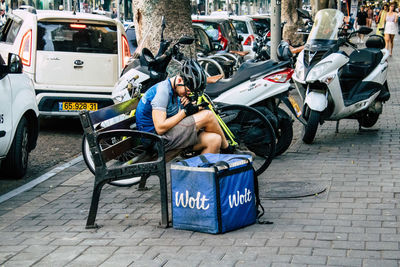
<point x="355" y="222"/>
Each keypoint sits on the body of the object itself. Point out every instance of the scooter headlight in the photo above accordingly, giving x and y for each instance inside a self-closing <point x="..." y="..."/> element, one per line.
<point x="318" y="71"/>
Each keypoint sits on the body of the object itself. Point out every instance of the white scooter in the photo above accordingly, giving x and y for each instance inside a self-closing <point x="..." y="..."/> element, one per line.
<point x="263" y="85"/>
<point x="335" y="85"/>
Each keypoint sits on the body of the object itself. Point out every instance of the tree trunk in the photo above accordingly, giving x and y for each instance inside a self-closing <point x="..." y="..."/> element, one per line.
<point x="319" y="4"/>
<point x="293" y="21"/>
<point x="147" y="19"/>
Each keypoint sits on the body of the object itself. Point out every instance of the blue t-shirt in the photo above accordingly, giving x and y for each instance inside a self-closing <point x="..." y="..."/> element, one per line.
<point x="161" y="97"/>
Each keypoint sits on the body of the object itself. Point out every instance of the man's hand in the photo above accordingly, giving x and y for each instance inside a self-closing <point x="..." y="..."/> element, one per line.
<point x="191" y="109"/>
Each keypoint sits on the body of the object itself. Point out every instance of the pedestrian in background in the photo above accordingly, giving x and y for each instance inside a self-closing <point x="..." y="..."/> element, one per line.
<point x="390" y="27"/>
<point x="361" y="20"/>
<point x="381" y="20"/>
<point x="370" y="16"/>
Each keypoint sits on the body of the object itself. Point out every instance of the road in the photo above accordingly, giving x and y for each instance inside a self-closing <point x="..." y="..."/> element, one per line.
<point x="59" y="141"/>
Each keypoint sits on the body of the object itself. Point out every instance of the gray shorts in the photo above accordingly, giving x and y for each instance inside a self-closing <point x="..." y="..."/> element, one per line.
<point x="182" y="135"/>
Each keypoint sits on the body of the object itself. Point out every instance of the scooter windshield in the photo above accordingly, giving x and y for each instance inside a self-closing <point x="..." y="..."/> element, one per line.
<point x="326" y="26"/>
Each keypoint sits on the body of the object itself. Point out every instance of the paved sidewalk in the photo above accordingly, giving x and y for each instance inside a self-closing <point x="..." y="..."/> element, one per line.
<point x="356" y="222"/>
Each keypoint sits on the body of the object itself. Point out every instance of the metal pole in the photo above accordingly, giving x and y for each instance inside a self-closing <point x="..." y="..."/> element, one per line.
<point x="206" y="8"/>
<point x="275" y="27"/>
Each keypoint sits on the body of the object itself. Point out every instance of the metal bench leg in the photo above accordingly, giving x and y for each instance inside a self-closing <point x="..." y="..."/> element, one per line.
<point x="90" y="223"/>
<point x="164" y="197"/>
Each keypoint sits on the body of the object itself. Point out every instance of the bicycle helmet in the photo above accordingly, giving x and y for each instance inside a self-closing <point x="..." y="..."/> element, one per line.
<point x="193" y="76"/>
<point x="283" y="52"/>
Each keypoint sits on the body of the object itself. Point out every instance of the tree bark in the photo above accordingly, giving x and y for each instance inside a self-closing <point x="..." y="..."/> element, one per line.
<point x="319" y="4"/>
<point x="147" y="19"/>
<point x="293" y="22"/>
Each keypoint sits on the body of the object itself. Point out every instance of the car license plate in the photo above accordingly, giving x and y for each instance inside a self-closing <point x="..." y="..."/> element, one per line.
<point x="75" y="106"/>
<point x="295" y="106"/>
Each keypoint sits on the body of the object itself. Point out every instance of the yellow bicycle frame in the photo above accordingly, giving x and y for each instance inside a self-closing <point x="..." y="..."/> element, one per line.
<point x="223" y="125"/>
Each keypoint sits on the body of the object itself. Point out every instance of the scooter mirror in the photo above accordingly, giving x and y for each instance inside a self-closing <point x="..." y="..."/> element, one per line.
<point x="364" y="30"/>
<point x="303" y="13"/>
<point x="186" y="40"/>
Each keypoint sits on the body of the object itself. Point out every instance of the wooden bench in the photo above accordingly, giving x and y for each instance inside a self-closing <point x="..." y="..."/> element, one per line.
<point x="119" y="151"/>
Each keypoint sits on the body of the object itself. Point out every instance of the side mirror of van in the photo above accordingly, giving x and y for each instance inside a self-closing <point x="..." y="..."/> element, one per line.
<point x="14" y="64"/>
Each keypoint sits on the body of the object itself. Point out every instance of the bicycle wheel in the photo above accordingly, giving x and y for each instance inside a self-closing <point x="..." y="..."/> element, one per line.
<point x="131" y="155"/>
<point x="251" y="130"/>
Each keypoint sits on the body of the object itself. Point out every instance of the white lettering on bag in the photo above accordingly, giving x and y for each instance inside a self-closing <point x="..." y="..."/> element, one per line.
<point x="240" y="199"/>
<point x="185" y="200"/>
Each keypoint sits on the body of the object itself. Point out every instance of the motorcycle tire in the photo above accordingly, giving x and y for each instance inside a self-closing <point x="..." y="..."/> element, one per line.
<point x="310" y="129"/>
<point x="251" y="130"/>
<point x="368" y="119"/>
<point x="283" y="126"/>
<point x="284" y="133"/>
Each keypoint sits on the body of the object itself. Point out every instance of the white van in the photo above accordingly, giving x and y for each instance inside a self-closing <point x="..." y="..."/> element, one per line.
<point x="73" y="59"/>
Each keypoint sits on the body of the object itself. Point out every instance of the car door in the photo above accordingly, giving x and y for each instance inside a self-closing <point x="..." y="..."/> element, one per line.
<point x="5" y="113"/>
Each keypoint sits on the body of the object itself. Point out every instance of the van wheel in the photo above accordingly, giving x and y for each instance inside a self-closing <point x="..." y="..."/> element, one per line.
<point x="16" y="162"/>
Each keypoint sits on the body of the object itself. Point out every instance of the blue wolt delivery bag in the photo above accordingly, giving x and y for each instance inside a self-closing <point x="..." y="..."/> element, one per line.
<point x="213" y="193"/>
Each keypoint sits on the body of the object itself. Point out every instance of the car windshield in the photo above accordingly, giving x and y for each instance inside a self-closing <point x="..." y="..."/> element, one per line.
<point x="326" y="25"/>
<point x="202" y="41"/>
<point x="77" y="37"/>
<point x="240" y="26"/>
<point x="210" y="28"/>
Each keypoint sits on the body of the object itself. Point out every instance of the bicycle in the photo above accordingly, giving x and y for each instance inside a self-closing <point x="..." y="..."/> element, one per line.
<point x="244" y="127"/>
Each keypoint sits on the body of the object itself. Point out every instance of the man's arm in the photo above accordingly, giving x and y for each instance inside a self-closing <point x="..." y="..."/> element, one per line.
<point x="162" y="124"/>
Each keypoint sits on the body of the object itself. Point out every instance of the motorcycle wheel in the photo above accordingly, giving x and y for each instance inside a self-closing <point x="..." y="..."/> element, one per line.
<point x="282" y="124"/>
<point x="311" y="128"/>
<point x="252" y="130"/>
<point x="368" y="119"/>
<point x="284" y="133"/>
<point x="87" y="156"/>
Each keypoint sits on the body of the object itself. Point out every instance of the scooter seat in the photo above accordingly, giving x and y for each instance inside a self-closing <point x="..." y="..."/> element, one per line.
<point x="245" y="71"/>
<point x="362" y="62"/>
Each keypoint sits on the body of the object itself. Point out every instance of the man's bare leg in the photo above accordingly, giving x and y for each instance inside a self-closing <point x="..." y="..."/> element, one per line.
<point x="206" y="119"/>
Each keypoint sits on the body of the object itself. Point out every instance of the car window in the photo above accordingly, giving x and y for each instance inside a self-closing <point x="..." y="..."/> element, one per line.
<point x="10" y="30"/>
<point x="211" y="29"/>
<point x="73" y="37"/>
<point x="131" y="36"/>
<point x="202" y="41"/>
<point x="253" y="26"/>
<point x="227" y="30"/>
<point x="240" y="26"/>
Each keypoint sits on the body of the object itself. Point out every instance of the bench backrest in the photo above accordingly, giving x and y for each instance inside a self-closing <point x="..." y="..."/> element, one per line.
<point x="109" y="118"/>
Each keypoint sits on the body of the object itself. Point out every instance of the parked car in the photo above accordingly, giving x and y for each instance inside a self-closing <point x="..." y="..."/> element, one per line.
<point x="18" y="118"/>
<point x="246" y="28"/>
<point x="221" y="31"/>
<point x="262" y="22"/>
<point x="73" y="59"/>
<point x="205" y="48"/>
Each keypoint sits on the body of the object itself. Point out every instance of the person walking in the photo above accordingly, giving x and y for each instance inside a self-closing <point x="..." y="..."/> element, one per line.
<point x="361" y="20"/>
<point x="370" y="16"/>
<point x="390" y="27"/>
<point x="381" y="20"/>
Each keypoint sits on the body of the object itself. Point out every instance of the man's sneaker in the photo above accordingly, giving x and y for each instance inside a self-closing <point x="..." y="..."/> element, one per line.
<point x="239" y="151"/>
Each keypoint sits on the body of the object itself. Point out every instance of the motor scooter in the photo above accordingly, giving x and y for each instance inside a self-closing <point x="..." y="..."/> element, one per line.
<point x="263" y="85"/>
<point x="335" y="85"/>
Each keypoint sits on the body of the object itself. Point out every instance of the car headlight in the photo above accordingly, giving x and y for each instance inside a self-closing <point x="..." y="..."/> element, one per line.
<point x="317" y="71"/>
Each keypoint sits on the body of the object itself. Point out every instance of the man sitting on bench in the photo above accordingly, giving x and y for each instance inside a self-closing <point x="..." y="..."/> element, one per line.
<point x="165" y="109"/>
